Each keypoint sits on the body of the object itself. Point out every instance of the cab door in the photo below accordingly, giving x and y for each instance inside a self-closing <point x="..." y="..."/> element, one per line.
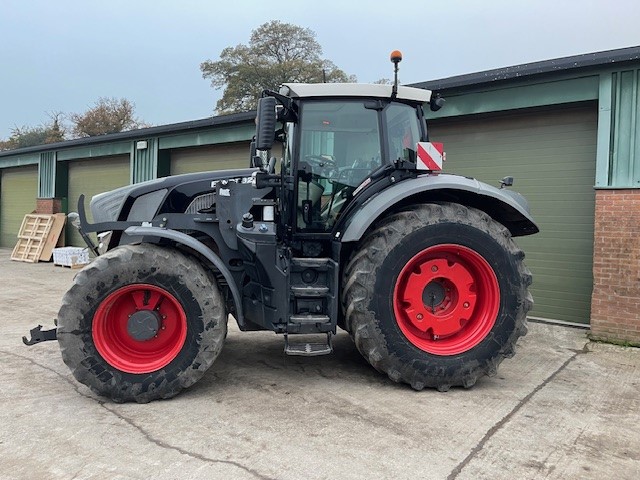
<point x="339" y="146"/>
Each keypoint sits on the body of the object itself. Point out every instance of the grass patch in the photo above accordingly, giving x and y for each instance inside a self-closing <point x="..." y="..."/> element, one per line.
<point x="612" y="341"/>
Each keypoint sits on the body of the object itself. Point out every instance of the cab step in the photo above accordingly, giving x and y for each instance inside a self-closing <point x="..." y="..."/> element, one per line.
<point x="309" y="319"/>
<point x="310" y="291"/>
<point x="317" y="263"/>
<point x="309" y="349"/>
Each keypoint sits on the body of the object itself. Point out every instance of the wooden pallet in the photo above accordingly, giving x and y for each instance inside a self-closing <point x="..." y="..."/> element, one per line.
<point x="32" y="237"/>
<point x="55" y="237"/>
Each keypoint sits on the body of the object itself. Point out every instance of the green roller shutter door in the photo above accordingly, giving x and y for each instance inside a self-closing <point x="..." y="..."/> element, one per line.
<point x="18" y="192"/>
<point x="551" y="154"/>
<point x="92" y="177"/>
<point x="216" y="157"/>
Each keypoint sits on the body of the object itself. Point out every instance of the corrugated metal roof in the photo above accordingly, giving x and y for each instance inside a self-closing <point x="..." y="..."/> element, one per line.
<point x="558" y="65"/>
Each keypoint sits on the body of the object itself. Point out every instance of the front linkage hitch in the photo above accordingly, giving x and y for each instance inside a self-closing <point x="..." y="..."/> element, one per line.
<point x="38" y="335"/>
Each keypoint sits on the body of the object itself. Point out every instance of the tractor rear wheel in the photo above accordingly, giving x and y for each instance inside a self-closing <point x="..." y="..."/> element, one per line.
<point x="141" y="323"/>
<point x="437" y="296"/>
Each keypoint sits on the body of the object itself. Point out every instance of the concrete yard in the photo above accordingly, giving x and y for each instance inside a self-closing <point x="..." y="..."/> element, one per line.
<point x="562" y="408"/>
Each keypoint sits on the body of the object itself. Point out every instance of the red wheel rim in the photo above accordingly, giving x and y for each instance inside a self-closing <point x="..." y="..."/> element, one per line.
<point x="446" y="299"/>
<point x="112" y="329"/>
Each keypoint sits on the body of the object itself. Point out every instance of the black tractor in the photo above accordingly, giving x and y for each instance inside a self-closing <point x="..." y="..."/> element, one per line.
<point x="354" y="226"/>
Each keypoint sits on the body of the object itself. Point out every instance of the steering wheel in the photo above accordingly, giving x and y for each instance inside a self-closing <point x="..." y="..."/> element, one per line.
<point x="320" y="161"/>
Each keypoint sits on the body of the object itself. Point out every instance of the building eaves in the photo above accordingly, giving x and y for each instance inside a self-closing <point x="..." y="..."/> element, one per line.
<point x="142" y="133"/>
<point x="558" y="65"/>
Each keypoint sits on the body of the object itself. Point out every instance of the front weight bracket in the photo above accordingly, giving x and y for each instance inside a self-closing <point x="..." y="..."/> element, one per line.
<point x="38" y="335"/>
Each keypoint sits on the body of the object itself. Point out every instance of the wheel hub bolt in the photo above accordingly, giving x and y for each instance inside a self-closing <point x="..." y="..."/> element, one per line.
<point x="465" y="304"/>
<point x="419" y="316"/>
<point x="434" y="269"/>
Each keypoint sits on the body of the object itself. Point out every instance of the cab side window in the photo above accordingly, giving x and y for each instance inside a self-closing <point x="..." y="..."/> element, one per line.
<point x="404" y="132"/>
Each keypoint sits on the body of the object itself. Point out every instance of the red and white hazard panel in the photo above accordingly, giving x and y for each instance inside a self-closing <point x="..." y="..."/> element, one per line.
<point x="430" y="156"/>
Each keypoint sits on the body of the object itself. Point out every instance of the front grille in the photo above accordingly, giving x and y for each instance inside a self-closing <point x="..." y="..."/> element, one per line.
<point x="201" y="202"/>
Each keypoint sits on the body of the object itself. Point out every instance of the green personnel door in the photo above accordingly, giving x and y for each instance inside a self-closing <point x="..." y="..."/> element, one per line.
<point x="18" y="192"/>
<point x="551" y="154"/>
<point x="93" y="176"/>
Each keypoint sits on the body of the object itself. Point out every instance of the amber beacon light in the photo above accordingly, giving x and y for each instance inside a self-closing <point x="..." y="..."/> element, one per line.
<point x="396" y="56"/>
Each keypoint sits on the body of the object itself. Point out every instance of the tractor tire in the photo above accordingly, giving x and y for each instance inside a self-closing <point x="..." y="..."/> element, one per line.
<point x="141" y="323"/>
<point x="436" y="296"/>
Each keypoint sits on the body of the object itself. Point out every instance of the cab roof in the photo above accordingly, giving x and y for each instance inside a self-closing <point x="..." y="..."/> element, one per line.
<point x="313" y="90"/>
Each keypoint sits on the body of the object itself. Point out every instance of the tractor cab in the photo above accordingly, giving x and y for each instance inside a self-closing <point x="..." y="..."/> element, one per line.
<point x="338" y="139"/>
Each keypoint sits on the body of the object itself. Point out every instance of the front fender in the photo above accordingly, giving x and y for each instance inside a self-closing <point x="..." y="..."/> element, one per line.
<point x="202" y="249"/>
<point x="505" y="206"/>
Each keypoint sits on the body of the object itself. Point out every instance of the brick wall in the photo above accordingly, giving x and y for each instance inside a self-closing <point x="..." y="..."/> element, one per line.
<point x="48" y="205"/>
<point x="615" y="304"/>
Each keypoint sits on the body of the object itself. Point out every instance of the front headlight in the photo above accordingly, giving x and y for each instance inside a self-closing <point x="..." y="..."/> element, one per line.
<point x="74" y="219"/>
<point x="103" y="241"/>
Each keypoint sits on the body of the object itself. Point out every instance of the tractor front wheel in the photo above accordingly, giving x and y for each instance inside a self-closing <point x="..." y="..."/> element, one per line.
<point x="141" y="323"/>
<point x="436" y="296"/>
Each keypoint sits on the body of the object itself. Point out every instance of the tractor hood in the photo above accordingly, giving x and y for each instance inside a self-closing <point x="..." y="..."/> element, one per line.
<point x="107" y="206"/>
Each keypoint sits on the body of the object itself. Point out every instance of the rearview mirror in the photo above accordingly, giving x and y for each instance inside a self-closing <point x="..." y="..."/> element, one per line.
<point x="436" y="103"/>
<point x="266" y="127"/>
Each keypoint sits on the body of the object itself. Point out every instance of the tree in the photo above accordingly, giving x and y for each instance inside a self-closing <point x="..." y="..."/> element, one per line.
<point x="277" y="53"/>
<point x="57" y="130"/>
<point x="108" y="115"/>
<point x="50" y="132"/>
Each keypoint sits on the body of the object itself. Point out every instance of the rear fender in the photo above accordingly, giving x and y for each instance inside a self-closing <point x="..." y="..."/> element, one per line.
<point x="505" y="206"/>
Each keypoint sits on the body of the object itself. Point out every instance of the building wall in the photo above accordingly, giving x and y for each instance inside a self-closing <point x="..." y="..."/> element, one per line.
<point x="615" y="303"/>
<point x="616" y="294"/>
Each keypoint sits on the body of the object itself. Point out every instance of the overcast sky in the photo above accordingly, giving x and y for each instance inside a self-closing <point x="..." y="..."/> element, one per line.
<point x="61" y="55"/>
